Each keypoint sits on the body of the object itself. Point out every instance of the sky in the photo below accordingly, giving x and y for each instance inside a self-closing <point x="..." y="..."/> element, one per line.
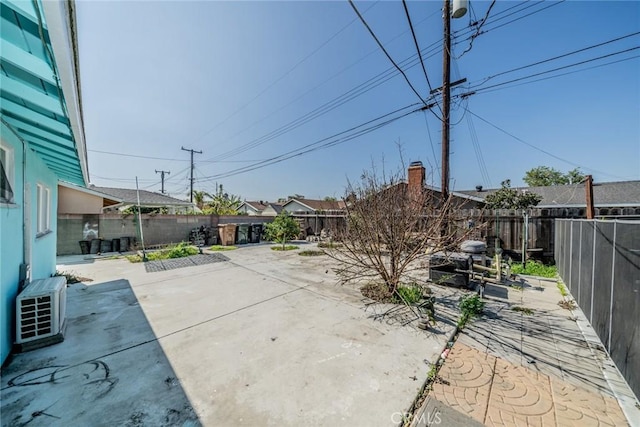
<point x="296" y="97"/>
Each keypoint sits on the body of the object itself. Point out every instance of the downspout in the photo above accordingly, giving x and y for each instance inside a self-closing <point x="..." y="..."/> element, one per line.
<point x="25" y="269"/>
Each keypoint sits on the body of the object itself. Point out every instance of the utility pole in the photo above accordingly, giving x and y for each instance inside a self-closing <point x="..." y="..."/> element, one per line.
<point x="589" y="189"/>
<point x="446" y="97"/>
<point x="162" y="178"/>
<point x="191" y="179"/>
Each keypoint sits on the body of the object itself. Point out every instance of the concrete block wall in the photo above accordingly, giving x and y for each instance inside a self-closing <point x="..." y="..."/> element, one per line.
<point x="157" y="229"/>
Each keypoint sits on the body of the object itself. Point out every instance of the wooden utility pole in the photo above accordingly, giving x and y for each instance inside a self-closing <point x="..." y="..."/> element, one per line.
<point x="191" y="179"/>
<point x="446" y="100"/>
<point x="162" y="178"/>
<point x="589" y="190"/>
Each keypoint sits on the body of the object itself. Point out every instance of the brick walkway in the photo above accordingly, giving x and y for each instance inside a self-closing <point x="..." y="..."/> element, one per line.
<point x="514" y="369"/>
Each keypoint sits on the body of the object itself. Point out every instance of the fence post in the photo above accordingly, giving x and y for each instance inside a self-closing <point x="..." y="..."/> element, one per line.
<point x="593" y="268"/>
<point x="570" y="252"/>
<point x="613" y="272"/>
<point x="580" y="263"/>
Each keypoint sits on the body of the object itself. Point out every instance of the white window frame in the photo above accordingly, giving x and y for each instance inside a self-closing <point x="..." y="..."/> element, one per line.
<point x="43" y="206"/>
<point x="9" y="169"/>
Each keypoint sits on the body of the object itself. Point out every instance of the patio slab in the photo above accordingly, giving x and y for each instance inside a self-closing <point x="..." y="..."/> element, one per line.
<point x="265" y="338"/>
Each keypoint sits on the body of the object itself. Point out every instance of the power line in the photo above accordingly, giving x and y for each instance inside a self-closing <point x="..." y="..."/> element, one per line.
<point x="482" y="89"/>
<point x="385" y="51"/>
<point x="279" y="79"/>
<point x="330" y="141"/>
<point x="538" y="148"/>
<point x="415" y="41"/>
<point x="564" y="55"/>
<point x="368" y="85"/>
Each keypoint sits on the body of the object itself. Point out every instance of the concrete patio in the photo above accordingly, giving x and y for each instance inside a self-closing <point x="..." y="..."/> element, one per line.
<point x="263" y="338"/>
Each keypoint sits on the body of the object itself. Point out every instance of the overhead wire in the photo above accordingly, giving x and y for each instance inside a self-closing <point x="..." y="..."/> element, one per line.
<point x="478" y="29"/>
<point x="329" y="141"/>
<point x="282" y="77"/>
<point x="415" y="41"/>
<point x="482" y="89"/>
<point x="564" y="55"/>
<point x="538" y="148"/>
<point x="385" y="52"/>
<point x="335" y="102"/>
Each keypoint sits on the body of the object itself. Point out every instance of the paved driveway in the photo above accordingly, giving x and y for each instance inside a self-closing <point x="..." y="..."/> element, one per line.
<point x="263" y="338"/>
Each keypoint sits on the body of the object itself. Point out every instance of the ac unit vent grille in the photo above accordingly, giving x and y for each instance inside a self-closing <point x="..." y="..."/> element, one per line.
<point x="41" y="309"/>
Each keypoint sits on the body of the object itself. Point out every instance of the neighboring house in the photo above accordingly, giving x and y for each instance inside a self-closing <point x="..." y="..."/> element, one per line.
<point x="41" y="142"/>
<point x="259" y="208"/>
<point x="273" y="209"/>
<point x="610" y="198"/>
<point x="314" y="207"/>
<point x="73" y="199"/>
<point x="251" y="208"/>
<point x="147" y="199"/>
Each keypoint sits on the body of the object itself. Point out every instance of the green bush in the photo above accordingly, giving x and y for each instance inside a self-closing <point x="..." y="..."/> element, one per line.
<point x="180" y="250"/>
<point x="410" y="294"/>
<point x="535" y="268"/>
<point x="470" y="306"/>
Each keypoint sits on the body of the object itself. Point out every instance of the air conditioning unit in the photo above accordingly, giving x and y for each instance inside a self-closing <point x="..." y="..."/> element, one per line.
<point x="40" y="313"/>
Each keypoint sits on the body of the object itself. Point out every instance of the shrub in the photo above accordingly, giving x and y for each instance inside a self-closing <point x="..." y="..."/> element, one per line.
<point x="535" y="268"/>
<point x="409" y="294"/>
<point x="470" y="306"/>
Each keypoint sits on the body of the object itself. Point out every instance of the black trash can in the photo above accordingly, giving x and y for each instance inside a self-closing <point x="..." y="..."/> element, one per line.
<point x="105" y="246"/>
<point x="95" y="246"/>
<point x="124" y="244"/>
<point x="242" y="234"/>
<point x="255" y="232"/>
<point x="85" y="245"/>
<point x="115" y="245"/>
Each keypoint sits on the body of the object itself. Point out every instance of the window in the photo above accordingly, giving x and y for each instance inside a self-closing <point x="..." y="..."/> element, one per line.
<point x="6" y="175"/>
<point x="44" y="207"/>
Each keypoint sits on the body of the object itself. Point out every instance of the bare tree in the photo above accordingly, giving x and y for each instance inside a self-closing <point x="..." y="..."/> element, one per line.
<point x="390" y="227"/>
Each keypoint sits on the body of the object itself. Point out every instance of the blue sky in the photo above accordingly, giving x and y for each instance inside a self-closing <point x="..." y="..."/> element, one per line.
<point x="240" y="82"/>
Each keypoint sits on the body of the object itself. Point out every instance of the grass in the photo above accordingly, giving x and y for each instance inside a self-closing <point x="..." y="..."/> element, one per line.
<point x="409" y="294"/>
<point x="523" y="310"/>
<point x="470" y="306"/>
<point x="535" y="268"/>
<point x="562" y="289"/>
<point x="286" y="248"/>
<point x="567" y="304"/>
<point x="329" y="245"/>
<point x="180" y="250"/>
<point x="311" y="252"/>
<point x="222" y="248"/>
<point x="72" y="278"/>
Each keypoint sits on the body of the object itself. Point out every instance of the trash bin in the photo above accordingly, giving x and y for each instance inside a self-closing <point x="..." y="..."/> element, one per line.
<point x="115" y="245"/>
<point x="85" y="245"/>
<point x="124" y="244"/>
<point x="105" y="246"/>
<point x="95" y="246"/>
<point x="242" y="234"/>
<point x="227" y="234"/>
<point x="255" y="232"/>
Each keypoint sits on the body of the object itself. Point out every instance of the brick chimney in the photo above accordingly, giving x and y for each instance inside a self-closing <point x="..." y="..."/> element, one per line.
<point x="416" y="177"/>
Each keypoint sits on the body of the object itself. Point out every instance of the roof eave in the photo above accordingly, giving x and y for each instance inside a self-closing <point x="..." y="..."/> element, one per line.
<point x="60" y="19"/>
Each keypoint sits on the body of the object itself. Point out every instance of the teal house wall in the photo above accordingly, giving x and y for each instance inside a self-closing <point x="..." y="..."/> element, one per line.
<point x="42" y="137"/>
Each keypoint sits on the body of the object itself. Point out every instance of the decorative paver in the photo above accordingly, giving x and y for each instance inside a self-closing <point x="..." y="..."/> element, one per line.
<point x="190" y="261"/>
<point x="514" y="369"/>
<point x="498" y="393"/>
